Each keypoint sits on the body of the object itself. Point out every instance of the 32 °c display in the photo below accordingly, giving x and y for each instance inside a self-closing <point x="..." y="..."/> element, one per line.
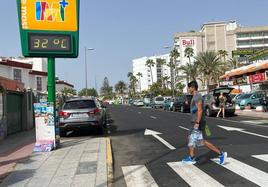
<point x="39" y="42"/>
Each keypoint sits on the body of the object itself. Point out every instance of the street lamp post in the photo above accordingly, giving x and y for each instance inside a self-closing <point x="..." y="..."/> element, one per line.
<point x="86" y="49"/>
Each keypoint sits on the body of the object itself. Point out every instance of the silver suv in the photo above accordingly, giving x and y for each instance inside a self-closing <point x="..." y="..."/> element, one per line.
<point x="82" y="113"/>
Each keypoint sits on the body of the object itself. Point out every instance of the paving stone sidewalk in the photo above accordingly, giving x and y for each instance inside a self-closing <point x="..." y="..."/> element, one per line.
<point x="252" y="113"/>
<point x="78" y="162"/>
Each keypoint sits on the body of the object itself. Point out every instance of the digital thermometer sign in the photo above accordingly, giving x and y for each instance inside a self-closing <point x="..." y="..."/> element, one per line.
<point x="49" y="28"/>
<point x="49" y="42"/>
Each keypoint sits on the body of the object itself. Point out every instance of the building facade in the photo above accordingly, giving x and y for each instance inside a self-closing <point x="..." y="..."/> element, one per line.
<point x="239" y="42"/>
<point x="148" y="78"/>
<point x="61" y="85"/>
<point x="25" y="73"/>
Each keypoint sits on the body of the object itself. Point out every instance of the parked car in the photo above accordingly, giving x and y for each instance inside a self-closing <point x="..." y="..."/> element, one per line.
<point x="147" y="101"/>
<point x="168" y="104"/>
<point x="139" y="103"/>
<point x="182" y="103"/>
<point x="251" y="100"/>
<point x="211" y="101"/>
<point x="82" y="113"/>
<point x="158" y="102"/>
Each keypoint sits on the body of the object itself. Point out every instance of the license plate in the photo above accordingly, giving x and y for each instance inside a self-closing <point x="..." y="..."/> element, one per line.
<point x="82" y="115"/>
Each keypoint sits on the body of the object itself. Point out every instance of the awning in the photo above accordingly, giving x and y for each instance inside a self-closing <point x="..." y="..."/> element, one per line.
<point x="246" y="69"/>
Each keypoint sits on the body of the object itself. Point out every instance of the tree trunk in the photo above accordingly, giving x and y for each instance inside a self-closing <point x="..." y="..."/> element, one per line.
<point x="208" y="84"/>
<point x="151" y="75"/>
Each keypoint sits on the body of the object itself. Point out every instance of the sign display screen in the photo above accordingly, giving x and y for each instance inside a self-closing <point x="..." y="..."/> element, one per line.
<point x="39" y="42"/>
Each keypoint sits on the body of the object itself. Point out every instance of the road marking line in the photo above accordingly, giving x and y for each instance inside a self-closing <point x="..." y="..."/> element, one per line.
<point x="241" y="130"/>
<point x="184" y="128"/>
<point x="239" y="122"/>
<point x="248" y="172"/>
<point x="138" y="175"/>
<point x="139" y="112"/>
<point x="193" y="175"/>
<point x="255" y="121"/>
<point x="155" y="134"/>
<point x="262" y="157"/>
<point x="153" y="117"/>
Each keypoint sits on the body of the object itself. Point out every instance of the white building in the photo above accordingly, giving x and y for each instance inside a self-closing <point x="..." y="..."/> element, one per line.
<point x="145" y="81"/>
<point x="23" y="71"/>
<point x="60" y="85"/>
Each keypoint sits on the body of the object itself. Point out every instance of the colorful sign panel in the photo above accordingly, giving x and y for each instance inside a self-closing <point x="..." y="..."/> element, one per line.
<point x="59" y="15"/>
<point x="258" y="55"/>
<point x="242" y="52"/>
<point x="49" y="28"/>
<point x="259" y="77"/>
<point x="241" y="80"/>
<point x="45" y="127"/>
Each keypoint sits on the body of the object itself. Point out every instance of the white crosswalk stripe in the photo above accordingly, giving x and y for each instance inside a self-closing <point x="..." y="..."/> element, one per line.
<point x="138" y="176"/>
<point x="248" y="172"/>
<point x="262" y="157"/>
<point x="193" y="175"/>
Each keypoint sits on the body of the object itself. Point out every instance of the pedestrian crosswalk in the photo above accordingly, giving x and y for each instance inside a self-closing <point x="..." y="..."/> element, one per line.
<point x="194" y="175"/>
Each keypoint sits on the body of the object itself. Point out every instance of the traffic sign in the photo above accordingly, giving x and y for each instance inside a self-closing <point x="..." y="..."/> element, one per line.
<point x="49" y="28"/>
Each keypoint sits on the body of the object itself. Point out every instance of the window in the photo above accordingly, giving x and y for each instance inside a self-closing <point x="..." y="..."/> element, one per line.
<point x="39" y="83"/>
<point x="79" y="104"/>
<point x="17" y="74"/>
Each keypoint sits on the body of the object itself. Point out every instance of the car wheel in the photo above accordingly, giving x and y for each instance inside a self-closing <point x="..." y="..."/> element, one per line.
<point x="182" y="109"/>
<point x="101" y="130"/>
<point x="105" y="121"/>
<point x="63" y="133"/>
<point x="249" y="106"/>
<point x="208" y="112"/>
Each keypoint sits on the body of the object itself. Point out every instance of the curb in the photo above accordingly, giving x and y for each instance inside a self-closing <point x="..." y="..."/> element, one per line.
<point x="109" y="161"/>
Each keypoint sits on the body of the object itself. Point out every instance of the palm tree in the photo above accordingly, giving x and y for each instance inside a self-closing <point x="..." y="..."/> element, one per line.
<point x="165" y="81"/>
<point x="139" y="74"/>
<point x="209" y="65"/>
<point x="120" y="87"/>
<point x="223" y="54"/>
<point x="132" y="83"/>
<point x="189" y="52"/>
<point x="232" y="63"/>
<point x="150" y="63"/>
<point x="190" y="70"/>
<point x="160" y="61"/>
<point x="174" y="54"/>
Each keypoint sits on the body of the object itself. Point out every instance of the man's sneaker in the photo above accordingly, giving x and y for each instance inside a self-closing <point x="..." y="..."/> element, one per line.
<point x="223" y="157"/>
<point x="188" y="160"/>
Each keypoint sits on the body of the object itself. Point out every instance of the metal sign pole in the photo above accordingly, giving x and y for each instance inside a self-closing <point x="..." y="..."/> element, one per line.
<point x="51" y="90"/>
<point x="51" y="80"/>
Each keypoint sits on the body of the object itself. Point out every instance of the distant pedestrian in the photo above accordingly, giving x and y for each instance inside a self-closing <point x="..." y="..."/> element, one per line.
<point x="222" y="103"/>
<point x="196" y="137"/>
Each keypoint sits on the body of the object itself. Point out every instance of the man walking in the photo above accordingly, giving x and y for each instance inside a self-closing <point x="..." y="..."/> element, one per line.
<point x="198" y="121"/>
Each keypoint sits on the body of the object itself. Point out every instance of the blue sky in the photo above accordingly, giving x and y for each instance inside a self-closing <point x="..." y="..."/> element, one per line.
<point x="121" y="30"/>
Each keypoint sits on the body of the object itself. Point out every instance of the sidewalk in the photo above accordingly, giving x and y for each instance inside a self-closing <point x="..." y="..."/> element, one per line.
<point x="14" y="149"/>
<point x="252" y="113"/>
<point x="78" y="162"/>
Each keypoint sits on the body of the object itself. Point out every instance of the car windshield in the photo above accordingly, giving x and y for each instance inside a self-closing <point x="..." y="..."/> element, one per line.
<point x="79" y="104"/>
<point x="159" y="99"/>
<point x="245" y="96"/>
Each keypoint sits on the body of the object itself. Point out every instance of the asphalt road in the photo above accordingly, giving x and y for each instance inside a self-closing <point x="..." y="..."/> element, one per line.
<point x="147" y="160"/>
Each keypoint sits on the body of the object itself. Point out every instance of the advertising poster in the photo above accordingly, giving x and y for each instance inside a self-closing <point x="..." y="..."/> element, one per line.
<point x="44" y="125"/>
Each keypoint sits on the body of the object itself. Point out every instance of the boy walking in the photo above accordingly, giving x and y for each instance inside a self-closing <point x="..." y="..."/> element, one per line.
<point x="198" y="121"/>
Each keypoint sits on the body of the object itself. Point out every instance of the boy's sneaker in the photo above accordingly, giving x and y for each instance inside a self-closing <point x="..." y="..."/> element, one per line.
<point x="188" y="160"/>
<point x="223" y="157"/>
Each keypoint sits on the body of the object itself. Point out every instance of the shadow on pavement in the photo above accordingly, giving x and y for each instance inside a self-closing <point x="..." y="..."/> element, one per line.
<point x="17" y="177"/>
